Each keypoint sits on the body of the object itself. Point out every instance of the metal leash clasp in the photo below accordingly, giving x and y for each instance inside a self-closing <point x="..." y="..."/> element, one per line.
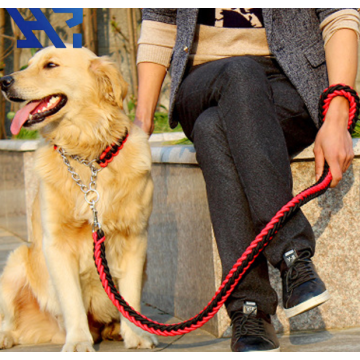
<point x="96" y="225"/>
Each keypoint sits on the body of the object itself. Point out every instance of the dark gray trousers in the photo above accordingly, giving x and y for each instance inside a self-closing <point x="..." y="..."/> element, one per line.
<point x="245" y="119"/>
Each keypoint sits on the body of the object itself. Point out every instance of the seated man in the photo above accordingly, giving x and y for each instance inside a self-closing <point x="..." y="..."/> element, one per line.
<point x="245" y="88"/>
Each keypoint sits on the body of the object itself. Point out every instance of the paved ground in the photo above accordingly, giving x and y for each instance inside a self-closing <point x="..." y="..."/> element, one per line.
<point x="347" y="340"/>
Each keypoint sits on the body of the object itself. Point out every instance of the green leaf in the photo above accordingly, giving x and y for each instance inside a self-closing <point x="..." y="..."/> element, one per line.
<point x="25" y="134"/>
<point x="10" y="115"/>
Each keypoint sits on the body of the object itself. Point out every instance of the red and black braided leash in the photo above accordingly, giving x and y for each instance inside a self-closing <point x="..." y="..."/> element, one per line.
<point x="111" y="151"/>
<point x="247" y="258"/>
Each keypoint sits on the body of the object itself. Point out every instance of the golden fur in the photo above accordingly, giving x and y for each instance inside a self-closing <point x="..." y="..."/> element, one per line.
<point x="50" y="290"/>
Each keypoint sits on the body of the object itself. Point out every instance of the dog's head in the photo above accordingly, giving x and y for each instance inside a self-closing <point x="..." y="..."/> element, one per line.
<point x="62" y="84"/>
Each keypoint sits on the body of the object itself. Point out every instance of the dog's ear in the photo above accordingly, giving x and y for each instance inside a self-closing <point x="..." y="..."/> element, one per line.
<point x="110" y="83"/>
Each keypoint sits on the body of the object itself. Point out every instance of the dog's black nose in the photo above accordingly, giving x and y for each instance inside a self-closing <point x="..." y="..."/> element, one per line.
<point x="6" y="82"/>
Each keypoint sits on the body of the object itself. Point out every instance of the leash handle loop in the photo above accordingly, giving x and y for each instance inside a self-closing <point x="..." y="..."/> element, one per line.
<point x="340" y="90"/>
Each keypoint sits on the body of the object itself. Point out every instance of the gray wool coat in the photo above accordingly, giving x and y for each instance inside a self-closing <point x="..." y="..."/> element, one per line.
<point x="294" y="38"/>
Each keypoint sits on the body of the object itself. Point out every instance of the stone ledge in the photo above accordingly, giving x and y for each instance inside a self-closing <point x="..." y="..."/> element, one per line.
<point x="19" y="145"/>
<point x="173" y="154"/>
<point x="31" y="145"/>
<point x="176" y="154"/>
<point x="171" y="136"/>
<point x="185" y="154"/>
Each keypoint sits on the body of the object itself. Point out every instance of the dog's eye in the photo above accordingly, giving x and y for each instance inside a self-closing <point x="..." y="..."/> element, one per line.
<point x="50" y="65"/>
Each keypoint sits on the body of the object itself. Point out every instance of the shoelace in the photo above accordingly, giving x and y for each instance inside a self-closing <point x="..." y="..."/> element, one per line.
<point x="300" y="271"/>
<point x="248" y="325"/>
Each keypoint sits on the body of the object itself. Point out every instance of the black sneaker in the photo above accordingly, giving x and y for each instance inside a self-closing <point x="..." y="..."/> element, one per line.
<point x="302" y="287"/>
<point x="252" y="330"/>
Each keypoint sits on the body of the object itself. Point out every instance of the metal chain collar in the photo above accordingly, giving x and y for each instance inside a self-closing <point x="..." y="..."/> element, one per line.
<point x="88" y="191"/>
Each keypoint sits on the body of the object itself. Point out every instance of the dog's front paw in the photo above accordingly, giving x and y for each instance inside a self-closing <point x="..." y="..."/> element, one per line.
<point x="6" y="340"/>
<point x="139" y="339"/>
<point x="81" y="346"/>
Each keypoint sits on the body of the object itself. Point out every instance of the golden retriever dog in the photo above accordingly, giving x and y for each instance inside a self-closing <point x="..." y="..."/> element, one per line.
<point x="50" y="290"/>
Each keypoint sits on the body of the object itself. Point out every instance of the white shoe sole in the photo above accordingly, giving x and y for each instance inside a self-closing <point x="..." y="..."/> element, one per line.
<point x="274" y="350"/>
<point x="307" y="305"/>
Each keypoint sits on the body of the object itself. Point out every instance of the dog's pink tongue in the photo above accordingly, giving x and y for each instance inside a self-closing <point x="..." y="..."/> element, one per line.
<point x="21" y="116"/>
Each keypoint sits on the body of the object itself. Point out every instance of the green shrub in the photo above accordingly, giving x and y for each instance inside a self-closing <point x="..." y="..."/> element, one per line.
<point x="25" y="134"/>
<point x="356" y="133"/>
<point x="161" y="117"/>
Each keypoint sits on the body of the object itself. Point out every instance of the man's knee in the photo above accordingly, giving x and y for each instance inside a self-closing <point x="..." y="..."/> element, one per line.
<point x="207" y="126"/>
<point x="208" y="134"/>
<point x="244" y="77"/>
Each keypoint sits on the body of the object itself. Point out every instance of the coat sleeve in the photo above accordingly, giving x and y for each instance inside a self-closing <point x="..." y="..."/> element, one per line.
<point x="323" y="13"/>
<point x="157" y="36"/>
<point x="339" y="19"/>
